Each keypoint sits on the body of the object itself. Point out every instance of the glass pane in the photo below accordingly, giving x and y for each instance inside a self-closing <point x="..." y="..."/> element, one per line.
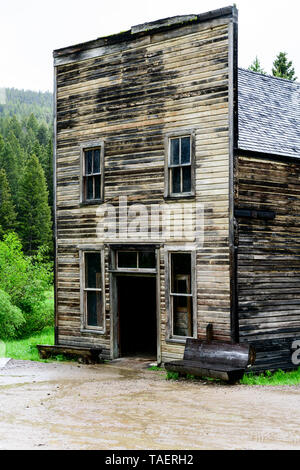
<point x="94" y="308"/>
<point x="97" y="187"/>
<point x="186" y="177"/>
<point x="185" y="150"/>
<point x="182" y="316"/>
<point x="176" y="180"/>
<point x="147" y="259"/>
<point x="181" y="272"/>
<point x="127" y="259"/>
<point x="174" y="151"/>
<point x="88" y="162"/>
<point x="92" y="270"/>
<point x="96" y="161"/>
<point x="89" y="189"/>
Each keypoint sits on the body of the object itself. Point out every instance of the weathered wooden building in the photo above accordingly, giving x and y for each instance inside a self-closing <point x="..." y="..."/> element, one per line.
<point x="177" y="201"/>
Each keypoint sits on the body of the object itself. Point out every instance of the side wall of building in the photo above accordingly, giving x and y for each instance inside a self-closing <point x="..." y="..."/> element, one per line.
<point x="131" y="96"/>
<point x="269" y="258"/>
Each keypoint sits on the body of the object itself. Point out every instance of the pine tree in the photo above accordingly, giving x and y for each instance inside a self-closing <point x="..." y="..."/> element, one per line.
<point x="8" y="161"/>
<point x="256" y="67"/>
<point x="283" y="68"/>
<point x="8" y="214"/>
<point x="34" y="214"/>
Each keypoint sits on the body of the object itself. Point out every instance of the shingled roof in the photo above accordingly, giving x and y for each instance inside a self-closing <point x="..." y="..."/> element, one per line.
<point x="269" y="114"/>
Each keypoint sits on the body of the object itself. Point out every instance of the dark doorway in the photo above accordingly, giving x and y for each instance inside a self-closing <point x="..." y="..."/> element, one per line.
<point x="137" y="315"/>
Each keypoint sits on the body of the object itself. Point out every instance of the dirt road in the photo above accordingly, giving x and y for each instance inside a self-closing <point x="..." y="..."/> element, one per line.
<point x="66" y="406"/>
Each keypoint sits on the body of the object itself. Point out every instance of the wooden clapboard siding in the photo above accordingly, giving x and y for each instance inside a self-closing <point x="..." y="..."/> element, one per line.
<point x="130" y="97"/>
<point x="269" y="258"/>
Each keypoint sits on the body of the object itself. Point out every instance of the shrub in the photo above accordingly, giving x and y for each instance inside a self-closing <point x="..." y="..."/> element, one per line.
<point x="26" y="280"/>
<point x="11" y="318"/>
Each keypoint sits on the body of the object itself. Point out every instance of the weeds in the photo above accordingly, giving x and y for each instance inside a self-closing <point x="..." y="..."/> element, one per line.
<point x="272" y="378"/>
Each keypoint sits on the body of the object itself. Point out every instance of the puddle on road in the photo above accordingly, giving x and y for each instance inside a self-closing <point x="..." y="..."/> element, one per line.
<point x="111" y="407"/>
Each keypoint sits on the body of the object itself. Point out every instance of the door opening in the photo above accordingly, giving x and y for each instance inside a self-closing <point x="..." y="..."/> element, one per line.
<point x="137" y="316"/>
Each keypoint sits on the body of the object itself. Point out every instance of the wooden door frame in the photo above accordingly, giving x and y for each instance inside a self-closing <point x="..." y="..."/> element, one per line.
<point x="114" y="317"/>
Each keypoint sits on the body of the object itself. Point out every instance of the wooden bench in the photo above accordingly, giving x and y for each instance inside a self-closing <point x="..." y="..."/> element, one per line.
<point x="214" y="359"/>
<point x="86" y="355"/>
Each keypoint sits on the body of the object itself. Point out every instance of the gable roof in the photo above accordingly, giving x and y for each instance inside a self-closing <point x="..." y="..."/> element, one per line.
<point x="269" y="114"/>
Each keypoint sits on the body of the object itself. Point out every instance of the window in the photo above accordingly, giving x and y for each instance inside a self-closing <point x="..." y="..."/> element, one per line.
<point x="179" y="173"/>
<point x="92" y="291"/>
<point x="181" y="295"/>
<point x="136" y="260"/>
<point x="92" y="164"/>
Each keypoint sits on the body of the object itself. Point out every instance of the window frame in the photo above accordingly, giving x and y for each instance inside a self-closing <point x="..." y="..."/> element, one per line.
<point x="168" y="137"/>
<point x="170" y="337"/>
<point x="114" y="265"/>
<point x="84" y="147"/>
<point x="84" y="327"/>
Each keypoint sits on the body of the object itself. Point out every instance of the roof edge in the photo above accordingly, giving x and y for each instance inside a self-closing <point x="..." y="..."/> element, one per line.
<point x="148" y="28"/>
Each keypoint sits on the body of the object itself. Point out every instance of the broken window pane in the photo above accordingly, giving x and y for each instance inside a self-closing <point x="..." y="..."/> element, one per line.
<point x="182" y="316"/>
<point x="93" y="270"/>
<point x="181" y="266"/>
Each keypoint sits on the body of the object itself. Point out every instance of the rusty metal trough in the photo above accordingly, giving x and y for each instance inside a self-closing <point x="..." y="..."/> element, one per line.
<point x="214" y="359"/>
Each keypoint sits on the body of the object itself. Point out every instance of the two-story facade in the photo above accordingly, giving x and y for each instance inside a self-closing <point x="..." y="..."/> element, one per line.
<point x="154" y="238"/>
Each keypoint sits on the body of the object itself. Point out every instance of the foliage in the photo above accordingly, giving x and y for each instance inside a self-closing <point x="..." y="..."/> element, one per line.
<point x="272" y="378"/>
<point x="283" y="68"/>
<point x="256" y="66"/>
<point x="34" y="214"/>
<point x="22" y="103"/>
<point x="172" y="376"/>
<point x="25" y="279"/>
<point x="8" y="214"/>
<point x="155" y="368"/>
<point x="11" y="318"/>
<point x="26" y="348"/>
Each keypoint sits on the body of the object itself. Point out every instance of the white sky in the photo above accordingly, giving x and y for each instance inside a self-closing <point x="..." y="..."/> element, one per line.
<point x="31" y="29"/>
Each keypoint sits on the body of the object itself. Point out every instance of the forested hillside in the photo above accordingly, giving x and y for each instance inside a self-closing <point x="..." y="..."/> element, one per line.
<point x="26" y="188"/>
<point x="21" y="103"/>
<point x="26" y="194"/>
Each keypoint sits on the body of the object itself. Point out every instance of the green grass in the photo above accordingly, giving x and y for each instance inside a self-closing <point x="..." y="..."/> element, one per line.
<point x="272" y="379"/>
<point x="172" y="375"/>
<point x="26" y="348"/>
<point x="156" y="368"/>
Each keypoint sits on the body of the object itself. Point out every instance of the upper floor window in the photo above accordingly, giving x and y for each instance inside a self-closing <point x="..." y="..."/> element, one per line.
<point x="92" y="172"/>
<point x="180" y="163"/>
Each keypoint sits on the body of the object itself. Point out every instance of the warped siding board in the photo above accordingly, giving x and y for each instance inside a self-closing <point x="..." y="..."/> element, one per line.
<point x="269" y="259"/>
<point x="131" y="97"/>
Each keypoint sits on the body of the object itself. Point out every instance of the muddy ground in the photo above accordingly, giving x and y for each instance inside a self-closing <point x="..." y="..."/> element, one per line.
<point x="126" y="406"/>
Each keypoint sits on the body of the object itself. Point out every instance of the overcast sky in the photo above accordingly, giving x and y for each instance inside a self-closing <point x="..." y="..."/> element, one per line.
<point x="31" y="29"/>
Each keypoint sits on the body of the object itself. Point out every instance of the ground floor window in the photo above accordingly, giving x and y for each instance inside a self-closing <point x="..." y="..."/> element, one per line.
<point x="181" y="294"/>
<point x="92" y="290"/>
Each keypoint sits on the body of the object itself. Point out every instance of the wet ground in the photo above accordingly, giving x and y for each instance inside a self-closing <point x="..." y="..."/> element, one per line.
<point x="125" y="406"/>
